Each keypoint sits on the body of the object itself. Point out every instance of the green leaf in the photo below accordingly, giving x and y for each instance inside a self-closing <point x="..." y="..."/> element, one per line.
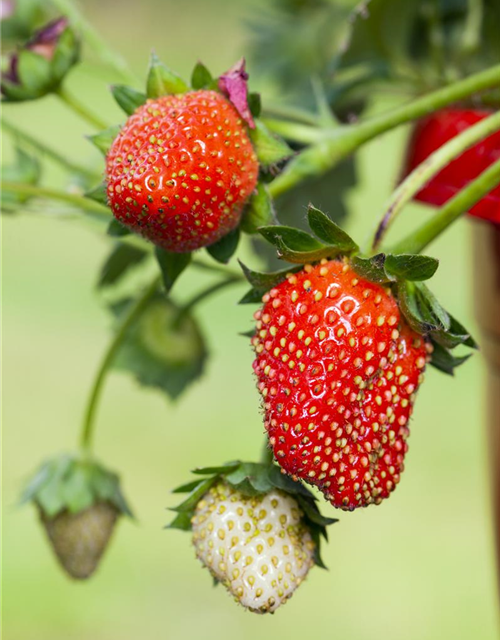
<point x="163" y="81"/>
<point x="407" y="297"/>
<point x="313" y="513"/>
<point x="292" y="238"/>
<point x="265" y="281"/>
<point x="371" y="268"/>
<point x="254" y="104"/>
<point x="201" y="77"/>
<point x="195" y="496"/>
<point x="259" y="211"/>
<point x="188" y="486"/>
<point x="98" y="193"/>
<point x="34" y="72"/>
<point x="270" y="149"/>
<point x="250" y="478"/>
<point x="25" y="169"/>
<point x="224" y="249"/>
<point x="409" y="266"/>
<point x="329" y="231"/>
<point x="164" y="349"/>
<point x="105" y="139"/>
<point x="66" y="54"/>
<point x="128" y="99"/>
<point x="122" y="258"/>
<point x="430" y="308"/>
<point x="181" y="521"/>
<point x="76" y="490"/>
<point x="445" y="361"/>
<point x="251" y="297"/>
<point x="210" y="471"/>
<point x="117" y="229"/>
<point x="171" y="265"/>
<point x="285" y="483"/>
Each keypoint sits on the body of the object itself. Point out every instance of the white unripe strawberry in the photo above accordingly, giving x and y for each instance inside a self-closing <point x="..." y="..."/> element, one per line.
<point x="259" y="548"/>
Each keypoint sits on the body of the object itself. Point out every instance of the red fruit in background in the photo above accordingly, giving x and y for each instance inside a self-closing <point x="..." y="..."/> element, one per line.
<point x="181" y="169"/>
<point x="430" y="134"/>
<point x="338" y="369"/>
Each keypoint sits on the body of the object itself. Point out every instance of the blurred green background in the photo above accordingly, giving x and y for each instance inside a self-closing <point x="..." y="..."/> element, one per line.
<point x="419" y="567"/>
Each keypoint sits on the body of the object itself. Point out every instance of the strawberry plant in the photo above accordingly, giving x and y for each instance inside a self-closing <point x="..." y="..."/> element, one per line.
<point x="343" y="331"/>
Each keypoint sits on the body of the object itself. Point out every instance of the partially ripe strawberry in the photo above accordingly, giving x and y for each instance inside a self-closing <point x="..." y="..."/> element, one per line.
<point x="259" y="548"/>
<point x="338" y="369"/>
<point x="181" y="169"/>
<point x="433" y="132"/>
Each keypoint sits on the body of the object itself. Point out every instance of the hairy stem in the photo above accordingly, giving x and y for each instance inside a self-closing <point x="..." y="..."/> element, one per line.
<point x="421" y="175"/>
<point x="95" y="393"/>
<point x="80" y="109"/>
<point x="451" y="211"/>
<point x="336" y="143"/>
<point x="67" y="164"/>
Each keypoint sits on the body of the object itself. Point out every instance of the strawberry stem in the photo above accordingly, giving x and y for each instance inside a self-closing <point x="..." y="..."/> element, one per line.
<point x="80" y="109"/>
<point x="431" y="166"/>
<point x="95" y="393"/>
<point x="330" y="145"/>
<point x="206" y="293"/>
<point x="451" y="211"/>
<point x="67" y="164"/>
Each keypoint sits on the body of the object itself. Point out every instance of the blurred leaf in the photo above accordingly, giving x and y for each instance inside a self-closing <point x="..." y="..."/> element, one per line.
<point x="254" y="104"/>
<point x="105" y="139"/>
<point x="128" y="99"/>
<point x="259" y="211"/>
<point x="98" y="193"/>
<point x="163" y="81"/>
<point x="224" y="249"/>
<point x="171" y="265"/>
<point x="116" y="229"/>
<point x="25" y="169"/>
<point x="164" y="349"/>
<point x="122" y="258"/>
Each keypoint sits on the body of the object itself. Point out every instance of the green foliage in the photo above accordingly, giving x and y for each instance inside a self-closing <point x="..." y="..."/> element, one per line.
<point x="163" y="81"/>
<point x="259" y="210"/>
<point x="122" y="258"/>
<point x="25" y="169"/>
<point x="270" y="148"/>
<point x="104" y="139"/>
<point x="171" y="265"/>
<point x="73" y="484"/>
<point x="127" y="98"/>
<point x="224" y="249"/>
<point x="201" y="78"/>
<point x="164" y="349"/>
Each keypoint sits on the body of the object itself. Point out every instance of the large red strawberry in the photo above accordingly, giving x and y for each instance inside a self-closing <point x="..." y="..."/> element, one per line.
<point x="430" y="134"/>
<point x="181" y="169"/>
<point x="338" y="369"/>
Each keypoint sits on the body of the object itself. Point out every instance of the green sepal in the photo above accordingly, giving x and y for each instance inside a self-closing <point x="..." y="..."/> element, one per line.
<point x="270" y="148"/>
<point x="254" y="104"/>
<point x="430" y="308"/>
<point x="456" y="335"/>
<point x="104" y="139"/>
<point x="34" y="72"/>
<point x="330" y="232"/>
<point x="408" y="266"/>
<point x="443" y="360"/>
<point x="98" y="193"/>
<point x="127" y="98"/>
<point x="201" y="78"/>
<point x="224" y="249"/>
<point x="262" y="282"/>
<point x="252" y="479"/>
<point x="408" y="303"/>
<point x="163" y="81"/>
<point x="117" y="229"/>
<point x="171" y="265"/>
<point x="371" y="269"/>
<point x="164" y="349"/>
<point x="73" y="484"/>
<point x="259" y="211"/>
<point x="122" y="258"/>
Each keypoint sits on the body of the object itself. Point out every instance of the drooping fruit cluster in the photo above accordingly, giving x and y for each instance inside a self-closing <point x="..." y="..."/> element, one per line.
<point x="257" y="547"/>
<point x="433" y="132"/>
<point x="181" y="169"/>
<point x="338" y="369"/>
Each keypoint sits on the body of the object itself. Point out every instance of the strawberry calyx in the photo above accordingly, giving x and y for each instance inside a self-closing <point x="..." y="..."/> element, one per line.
<point x="404" y="274"/>
<point x="251" y="479"/>
<point x="72" y="484"/>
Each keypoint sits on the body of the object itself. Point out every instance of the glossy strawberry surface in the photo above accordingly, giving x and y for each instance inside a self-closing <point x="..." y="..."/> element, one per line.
<point x="430" y="134"/>
<point x="181" y="169"/>
<point x="338" y="369"/>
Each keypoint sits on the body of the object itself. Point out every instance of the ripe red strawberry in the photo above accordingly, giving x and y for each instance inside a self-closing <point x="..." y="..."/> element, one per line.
<point x="181" y="169"/>
<point x="338" y="369"/>
<point x="430" y="134"/>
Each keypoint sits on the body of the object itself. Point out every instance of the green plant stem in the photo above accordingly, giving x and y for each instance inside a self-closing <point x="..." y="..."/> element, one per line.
<point x="298" y="132"/>
<point x="451" y="211"/>
<point x="337" y="143"/>
<point x="206" y="293"/>
<point x="48" y="151"/>
<point x="128" y="321"/>
<point x="276" y="110"/>
<point x="421" y="175"/>
<point x="97" y="43"/>
<point x="80" y="109"/>
<point x="86" y="204"/>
